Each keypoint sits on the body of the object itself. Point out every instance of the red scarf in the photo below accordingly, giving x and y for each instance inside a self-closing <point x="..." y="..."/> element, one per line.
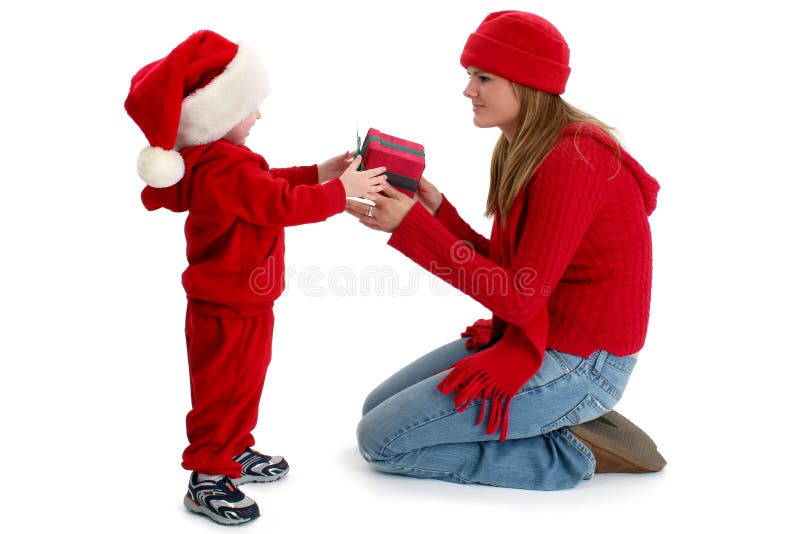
<point x="508" y="355"/>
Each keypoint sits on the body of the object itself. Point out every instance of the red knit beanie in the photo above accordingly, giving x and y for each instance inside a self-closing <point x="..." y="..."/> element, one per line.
<point x="193" y="96"/>
<point x="521" y="47"/>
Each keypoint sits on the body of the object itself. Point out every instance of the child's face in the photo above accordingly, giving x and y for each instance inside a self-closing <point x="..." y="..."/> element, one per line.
<point x="238" y="134"/>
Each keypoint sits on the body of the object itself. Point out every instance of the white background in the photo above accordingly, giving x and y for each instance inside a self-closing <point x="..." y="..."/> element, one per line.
<point x="94" y="386"/>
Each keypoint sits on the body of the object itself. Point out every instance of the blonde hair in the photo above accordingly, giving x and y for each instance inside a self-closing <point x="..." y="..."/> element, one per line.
<point x="542" y="116"/>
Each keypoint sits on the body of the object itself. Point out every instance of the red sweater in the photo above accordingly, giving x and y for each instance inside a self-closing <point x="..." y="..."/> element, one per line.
<point x="238" y="208"/>
<point x="582" y="248"/>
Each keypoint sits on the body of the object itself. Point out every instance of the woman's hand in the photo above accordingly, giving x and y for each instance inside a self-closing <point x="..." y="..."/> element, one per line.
<point x="390" y="208"/>
<point x="334" y="167"/>
<point x="430" y="197"/>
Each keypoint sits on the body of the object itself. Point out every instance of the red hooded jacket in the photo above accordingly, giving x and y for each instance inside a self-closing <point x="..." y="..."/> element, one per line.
<point x="238" y="208"/>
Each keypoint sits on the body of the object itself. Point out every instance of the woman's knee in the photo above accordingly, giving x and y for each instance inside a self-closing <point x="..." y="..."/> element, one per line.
<point x="372" y="400"/>
<point x="370" y="440"/>
<point x="428" y="365"/>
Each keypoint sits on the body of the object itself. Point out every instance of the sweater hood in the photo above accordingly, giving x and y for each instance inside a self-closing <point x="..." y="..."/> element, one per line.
<point x="648" y="186"/>
<point x="175" y="197"/>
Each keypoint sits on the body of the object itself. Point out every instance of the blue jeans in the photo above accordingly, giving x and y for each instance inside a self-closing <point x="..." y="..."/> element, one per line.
<point x="409" y="427"/>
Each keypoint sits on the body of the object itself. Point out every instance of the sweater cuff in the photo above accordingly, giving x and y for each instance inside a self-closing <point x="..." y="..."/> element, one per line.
<point x="447" y="212"/>
<point x="406" y="235"/>
<point x="335" y="199"/>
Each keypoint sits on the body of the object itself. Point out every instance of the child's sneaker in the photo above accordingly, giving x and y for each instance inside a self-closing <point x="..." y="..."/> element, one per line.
<point x="220" y="500"/>
<point x="257" y="467"/>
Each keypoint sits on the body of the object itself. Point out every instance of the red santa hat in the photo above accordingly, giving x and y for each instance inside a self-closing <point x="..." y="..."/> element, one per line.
<point x="193" y="96"/>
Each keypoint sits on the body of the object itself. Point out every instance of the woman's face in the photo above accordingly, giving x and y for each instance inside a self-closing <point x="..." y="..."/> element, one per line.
<point x="494" y="102"/>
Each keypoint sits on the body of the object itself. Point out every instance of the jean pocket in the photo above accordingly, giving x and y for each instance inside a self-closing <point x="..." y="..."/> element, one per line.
<point x="586" y="410"/>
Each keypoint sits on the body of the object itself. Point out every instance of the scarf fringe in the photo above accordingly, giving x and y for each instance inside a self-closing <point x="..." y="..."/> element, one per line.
<point x="470" y="382"/>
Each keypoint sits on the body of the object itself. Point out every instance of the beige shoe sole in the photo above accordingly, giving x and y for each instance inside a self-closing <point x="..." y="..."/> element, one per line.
<point x="620" y="438"/>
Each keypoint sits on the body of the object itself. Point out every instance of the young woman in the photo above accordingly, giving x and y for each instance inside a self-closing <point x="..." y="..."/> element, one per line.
<point x="566" y="274"/>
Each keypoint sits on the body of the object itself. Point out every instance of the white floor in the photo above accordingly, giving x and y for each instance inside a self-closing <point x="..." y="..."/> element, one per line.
<point x="100" y="453"/>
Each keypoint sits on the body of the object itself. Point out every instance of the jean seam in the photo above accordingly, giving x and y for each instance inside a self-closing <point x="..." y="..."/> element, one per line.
<point x="420" y="425"/>
<point x="606" y="386"/>
<point x="570" y="438"/>
<point x="628" y="370"/>
<point x="565" y="420"/>
<point x="413" y="468"/>
<point x="561" y="363"/>
<point x="578" y="371"/>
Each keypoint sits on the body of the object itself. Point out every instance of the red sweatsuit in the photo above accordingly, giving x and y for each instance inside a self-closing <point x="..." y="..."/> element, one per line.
<point x="238" y="208"/>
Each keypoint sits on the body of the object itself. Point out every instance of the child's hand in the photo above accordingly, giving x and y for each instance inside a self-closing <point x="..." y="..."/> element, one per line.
<point x="363" y="184"/>
<point x="430" y="197"/>
<point x="334" y="167"/>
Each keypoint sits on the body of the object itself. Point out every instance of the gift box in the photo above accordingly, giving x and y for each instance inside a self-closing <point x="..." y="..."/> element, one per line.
<point x="404" y="160"/>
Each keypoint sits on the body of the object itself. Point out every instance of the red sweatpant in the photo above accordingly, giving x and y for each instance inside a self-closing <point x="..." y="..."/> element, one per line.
<point x="228" y="360"/>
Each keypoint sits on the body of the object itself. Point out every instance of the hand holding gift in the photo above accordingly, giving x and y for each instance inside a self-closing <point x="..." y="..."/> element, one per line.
<point x="404" y="160"/>
<point x="391" y="206"/>
<point x="364" y="184"/>
<point x="334" y="167"/>
<point x="429" y="196"/>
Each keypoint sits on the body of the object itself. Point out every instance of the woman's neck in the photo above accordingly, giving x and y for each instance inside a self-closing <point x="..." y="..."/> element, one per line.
<point x="509" y="132"/>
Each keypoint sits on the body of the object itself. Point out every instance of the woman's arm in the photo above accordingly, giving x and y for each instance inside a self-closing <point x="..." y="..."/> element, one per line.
<point x="441" y="208"/>
<point x="450" y="219"/>
<point x="562" y="200"/>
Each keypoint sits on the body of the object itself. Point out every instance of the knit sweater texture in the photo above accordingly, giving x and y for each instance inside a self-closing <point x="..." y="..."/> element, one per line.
<point x="583" y="240"/>
<point x="237" y="210"/>
<point x="572" y="269"/>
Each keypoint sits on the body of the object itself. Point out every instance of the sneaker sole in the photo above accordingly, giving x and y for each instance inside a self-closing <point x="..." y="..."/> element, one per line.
<point x="247" y="479"/>
<point x="620" y="437"/>
<point x="192" y="506"/>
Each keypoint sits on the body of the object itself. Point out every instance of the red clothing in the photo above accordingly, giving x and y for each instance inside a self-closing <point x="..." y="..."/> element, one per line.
<point x="228" y="360"/>
<point x="585" y="233"/>
<point x="238" y="208"/>
<point x="572" y="269"/>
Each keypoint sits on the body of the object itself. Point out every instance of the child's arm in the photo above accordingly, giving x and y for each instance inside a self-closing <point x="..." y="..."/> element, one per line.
<point x="315" y="174"/>
<point x="248" y="191"/>
<point x="306" y="175"/>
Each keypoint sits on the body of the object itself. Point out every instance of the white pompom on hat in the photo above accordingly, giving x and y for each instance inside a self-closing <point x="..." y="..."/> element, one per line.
<point x="159" y="167"/>
<point x="193" y="96"/>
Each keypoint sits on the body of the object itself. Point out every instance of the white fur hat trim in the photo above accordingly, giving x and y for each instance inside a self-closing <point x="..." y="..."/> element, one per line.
<point x="212" y="111"/>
